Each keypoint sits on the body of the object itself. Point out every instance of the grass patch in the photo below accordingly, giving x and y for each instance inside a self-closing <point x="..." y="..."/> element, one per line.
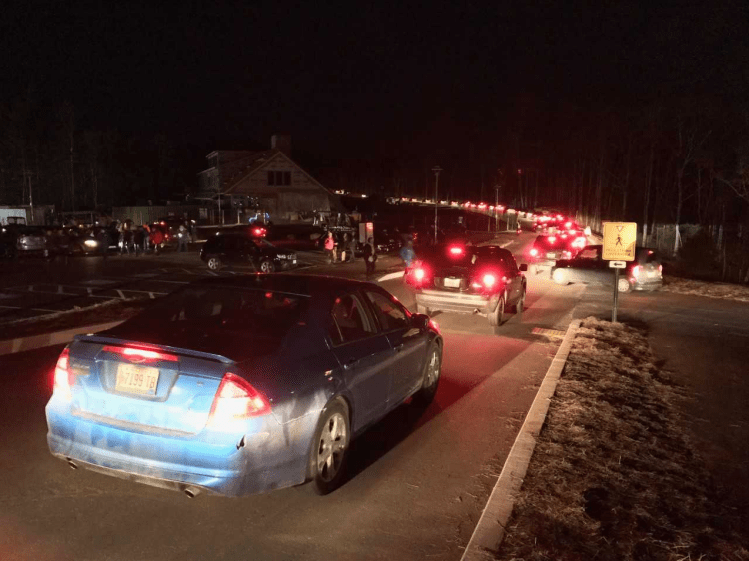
<point x="613" y="476"/>
<point x="723" y="290"/>
<point x="112" y="310"/>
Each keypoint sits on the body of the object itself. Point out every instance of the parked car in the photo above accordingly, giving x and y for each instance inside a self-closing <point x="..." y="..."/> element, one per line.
<point x="588" y="266"/>
<point x="241" y="249"/>
<point x="243" y="384"/>
<point x="21" y="240"/>
<point x="467" y="279"/>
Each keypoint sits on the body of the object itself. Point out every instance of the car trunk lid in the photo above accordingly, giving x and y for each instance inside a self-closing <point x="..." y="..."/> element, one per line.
<point x="144" y="387"/>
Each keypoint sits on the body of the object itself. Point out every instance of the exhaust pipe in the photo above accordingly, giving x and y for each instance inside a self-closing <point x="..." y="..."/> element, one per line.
<point x="191" y="492"/>
<point x="72" y="464"/>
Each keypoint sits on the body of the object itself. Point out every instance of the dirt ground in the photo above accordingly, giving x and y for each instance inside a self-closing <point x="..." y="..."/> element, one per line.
<point x="614" y="475"/>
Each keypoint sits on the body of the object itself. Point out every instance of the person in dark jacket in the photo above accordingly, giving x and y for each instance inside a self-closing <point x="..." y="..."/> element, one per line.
<point x="370" y="257"/>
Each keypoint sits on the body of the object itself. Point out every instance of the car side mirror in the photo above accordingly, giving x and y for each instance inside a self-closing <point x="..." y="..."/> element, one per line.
<point x="524" y="267"/>
<point x="420" y="321"/>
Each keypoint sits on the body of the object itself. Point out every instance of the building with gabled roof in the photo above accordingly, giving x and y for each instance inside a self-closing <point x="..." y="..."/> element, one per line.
<point x="270" y="177"/>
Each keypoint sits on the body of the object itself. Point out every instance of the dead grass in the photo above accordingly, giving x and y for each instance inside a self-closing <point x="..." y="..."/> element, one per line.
<point x="112" y="310"/>
<point x="723" y="290"/>
<point x="613" y="476"/>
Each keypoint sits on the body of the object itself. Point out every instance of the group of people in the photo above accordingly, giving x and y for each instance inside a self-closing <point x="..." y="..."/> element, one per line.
<point x="345" y="251"/>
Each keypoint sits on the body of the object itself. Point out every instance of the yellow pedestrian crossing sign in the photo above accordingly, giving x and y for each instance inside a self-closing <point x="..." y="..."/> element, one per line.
<point x="619" y="240"/>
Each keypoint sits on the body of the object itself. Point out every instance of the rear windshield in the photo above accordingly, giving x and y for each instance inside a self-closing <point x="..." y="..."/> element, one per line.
<point x="212" y="311"/>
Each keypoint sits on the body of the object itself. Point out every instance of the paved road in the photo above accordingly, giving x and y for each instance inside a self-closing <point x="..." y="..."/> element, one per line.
<point x="418" y="482"/>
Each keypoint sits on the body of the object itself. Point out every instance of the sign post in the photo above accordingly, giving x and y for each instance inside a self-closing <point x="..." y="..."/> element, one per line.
<point x="619" y="240"/>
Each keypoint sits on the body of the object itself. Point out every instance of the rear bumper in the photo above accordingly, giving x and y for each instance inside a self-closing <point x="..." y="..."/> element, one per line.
<point x="228" y="464"/>
<point x="458" y="302"/>
<point x="647" y="284"/>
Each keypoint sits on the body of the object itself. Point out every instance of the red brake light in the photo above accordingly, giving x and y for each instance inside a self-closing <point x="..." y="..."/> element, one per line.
<point x="534" y="251"/>
<point x="235" y="400"/>
<point x="636" y="271"/>
<point x="489" y="280"/>
<point x="552" y="239"/>
<point x="259" y="231"/>
<point x="140" y="353"/>
<point x="64" y="378"/>
<point x="419" y="274"/>
<point x="455" y="250"/>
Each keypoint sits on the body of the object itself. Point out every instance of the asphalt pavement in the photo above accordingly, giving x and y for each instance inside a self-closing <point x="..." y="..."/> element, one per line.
<point x="417" y="483"/>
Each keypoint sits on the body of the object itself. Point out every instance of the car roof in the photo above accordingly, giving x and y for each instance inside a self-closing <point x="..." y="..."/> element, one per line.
<point x="308" y="285"/>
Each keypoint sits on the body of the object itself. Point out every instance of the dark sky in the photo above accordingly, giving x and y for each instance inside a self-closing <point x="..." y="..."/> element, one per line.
<point x="354" y="78"/>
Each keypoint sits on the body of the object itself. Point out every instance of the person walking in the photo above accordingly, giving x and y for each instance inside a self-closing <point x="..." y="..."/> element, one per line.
<point x="182" y="234"/>
<point x="146" y="237"/>
<point x="330" y="247"/>
<point x="370" y="257"/>
<point x="408" y="254"/>
<point x="157" y="238"/>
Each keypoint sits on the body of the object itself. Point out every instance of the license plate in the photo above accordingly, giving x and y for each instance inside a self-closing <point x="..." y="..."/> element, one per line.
<point x="452" y="283"/>
<point x="293" y="262"/>
<point x="652" y="274"/>
<point x="132" y="378"/>
<point x="551" y="255"/>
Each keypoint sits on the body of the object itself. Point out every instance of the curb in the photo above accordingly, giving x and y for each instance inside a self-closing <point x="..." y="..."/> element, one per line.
<point x="490" y="530"/>
<point x="21" y="344"/>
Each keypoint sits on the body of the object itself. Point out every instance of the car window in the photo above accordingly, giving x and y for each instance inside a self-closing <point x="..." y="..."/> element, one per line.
<point x="588" y="253"/>
<point x="390" y="315"/>
<point x="208" y="312"/>
<point x="508" y="261"/>
<point x="350" y="318"/>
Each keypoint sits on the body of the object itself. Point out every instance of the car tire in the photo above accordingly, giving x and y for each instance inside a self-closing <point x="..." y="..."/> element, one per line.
<point x="213" y="262"/>
<point x="329" y="450"/>
<point x="560" y="277"/>
<point x="431" y="380"/>
<point x="624" y="285"/>
<point x="497" y="317"/>
<point x="421" y="309"/>
<point x="266" y="266"/>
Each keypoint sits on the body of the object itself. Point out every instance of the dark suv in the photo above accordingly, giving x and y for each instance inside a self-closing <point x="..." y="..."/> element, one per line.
<point x="240" y="249"/>
<point x="468" y="279"/>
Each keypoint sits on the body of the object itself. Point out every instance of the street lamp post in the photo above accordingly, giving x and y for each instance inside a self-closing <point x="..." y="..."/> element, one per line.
<point x="436" y="170"/>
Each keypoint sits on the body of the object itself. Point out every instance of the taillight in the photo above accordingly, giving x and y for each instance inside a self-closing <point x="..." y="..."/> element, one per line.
<point x="64" y="377"/>
<point x="455" y="250"/>
<point x="140" y="354"/>
<point x="489" y="280"/>
<point x="534" y="252"/>
<point x="419" y="274"/>
<point x="236" y="400"/>
<point x="636" y="271"/>
<point x="552" y="239"/>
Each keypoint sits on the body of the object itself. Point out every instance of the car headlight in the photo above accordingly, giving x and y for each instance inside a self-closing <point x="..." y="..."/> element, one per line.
<point x="90" y="243"/>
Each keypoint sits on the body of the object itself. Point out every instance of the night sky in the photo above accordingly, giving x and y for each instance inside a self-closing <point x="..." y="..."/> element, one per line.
<point x="360" y="78"/>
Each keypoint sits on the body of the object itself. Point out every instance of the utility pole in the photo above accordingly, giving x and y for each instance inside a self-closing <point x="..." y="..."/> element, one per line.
<point x="436" y="170"/>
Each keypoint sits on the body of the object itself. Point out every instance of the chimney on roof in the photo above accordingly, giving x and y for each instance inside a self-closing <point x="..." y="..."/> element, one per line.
<point x="281" y="142"/>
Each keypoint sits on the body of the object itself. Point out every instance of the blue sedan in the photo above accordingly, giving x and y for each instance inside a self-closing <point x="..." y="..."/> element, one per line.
<point x="241" y="385"/>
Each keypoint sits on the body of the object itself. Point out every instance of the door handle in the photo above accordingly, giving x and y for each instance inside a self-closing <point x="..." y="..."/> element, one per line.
<point x="350" y="363"/>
